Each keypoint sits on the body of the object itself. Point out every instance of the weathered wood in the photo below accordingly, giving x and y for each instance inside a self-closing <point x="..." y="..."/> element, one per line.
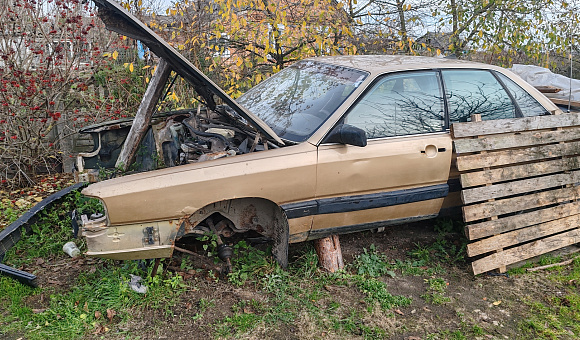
<point x="144" y="114"/>
<point x="515" y="204"/>
<point x="498" y="158"/>
<point x="509" y="173"/>
<point x="563" y="263"/>
<point x="505" y="224"/>
<point x="490" y="127"/>
<point x="565" y="102"/>
<point x="480" y="194"/>
<point x="525" y="251"/>
<point x="513" y="140"/>
<point x="548" y="89"/>
<point x="522" y="235"/>
<point x="329" y="253"/>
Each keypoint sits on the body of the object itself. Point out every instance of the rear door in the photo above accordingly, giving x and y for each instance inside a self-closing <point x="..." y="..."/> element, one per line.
<point x="401" y="175"/>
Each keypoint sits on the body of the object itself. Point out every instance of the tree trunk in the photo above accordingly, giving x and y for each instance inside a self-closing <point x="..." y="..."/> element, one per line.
<point x="329" y="253"/>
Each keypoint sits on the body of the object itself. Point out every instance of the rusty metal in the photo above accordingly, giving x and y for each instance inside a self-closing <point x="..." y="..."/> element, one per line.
<point x="155" y="267"/>
<point x="224" y="251"/>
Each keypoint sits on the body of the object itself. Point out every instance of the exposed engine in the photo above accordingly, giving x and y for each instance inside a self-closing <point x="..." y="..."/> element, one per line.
<point x="173" y="138"/>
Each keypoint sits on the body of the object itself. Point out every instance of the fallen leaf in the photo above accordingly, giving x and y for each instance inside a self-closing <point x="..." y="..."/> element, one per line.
<point x="97" y="314"/>
<point x="496" y="302"/>
<point x="39" y="261"/>
<point x="110" y="314"/>
<point x="86" y="306"/>
<point x="38" y="310"/>
<point x="426" y="309"/>
<point x="484" y="299"/>
<point x="398" y="311"/>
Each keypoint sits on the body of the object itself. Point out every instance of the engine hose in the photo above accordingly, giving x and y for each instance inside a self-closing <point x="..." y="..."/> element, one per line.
<point x="206" y="134"/>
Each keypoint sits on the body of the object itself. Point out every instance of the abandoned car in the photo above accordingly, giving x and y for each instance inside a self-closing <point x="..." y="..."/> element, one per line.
<point x="326" y="146"/>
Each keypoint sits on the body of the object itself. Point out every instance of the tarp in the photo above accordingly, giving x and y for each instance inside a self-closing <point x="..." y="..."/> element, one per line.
<point x="539" y="76"/>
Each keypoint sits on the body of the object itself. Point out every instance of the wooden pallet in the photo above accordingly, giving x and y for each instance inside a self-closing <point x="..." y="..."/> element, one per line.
<point x="520" y="187"/>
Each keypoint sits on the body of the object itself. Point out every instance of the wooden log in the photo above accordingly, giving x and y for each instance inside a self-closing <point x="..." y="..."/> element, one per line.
<point x="515" y="204"/>
<point x="525" y="251"/>
<point x="536" y="153"/>
<point x="506" y="224"/>
<point x="548" y="89"/>
<point x="513" y="140"/>
<point x="329" y="253"/>
<point x="563" y="263"/>
<point x="497" y="126"/>
<point x="144" y="114"/>
<point x="514" y="172"/>
<point x="522" y="235"/>
<point x="480" y="194"/>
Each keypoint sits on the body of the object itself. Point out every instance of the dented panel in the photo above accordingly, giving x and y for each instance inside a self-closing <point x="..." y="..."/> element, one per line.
<point x="130" y="242"/>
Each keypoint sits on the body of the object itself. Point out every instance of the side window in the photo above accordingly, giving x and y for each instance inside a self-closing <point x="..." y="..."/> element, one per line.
<point x="527" y="103"/>
<point x="476" y="92"/>
<point x="402" y="104"/>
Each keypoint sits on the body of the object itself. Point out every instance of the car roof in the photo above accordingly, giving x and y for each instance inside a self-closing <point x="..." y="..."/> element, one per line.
<point x="387" y="63"/>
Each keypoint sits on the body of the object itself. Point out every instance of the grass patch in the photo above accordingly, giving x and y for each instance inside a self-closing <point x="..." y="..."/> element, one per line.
<point x="557" y="316"/>
<point x="93" y="302"/>
<point x="436" y="291"/>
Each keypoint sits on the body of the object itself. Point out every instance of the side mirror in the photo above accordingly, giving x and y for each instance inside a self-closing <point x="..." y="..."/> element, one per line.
<point x="347" y="134"/>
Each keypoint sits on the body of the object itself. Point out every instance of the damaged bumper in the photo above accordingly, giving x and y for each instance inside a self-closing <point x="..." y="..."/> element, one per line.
<point x="128" y="242"/>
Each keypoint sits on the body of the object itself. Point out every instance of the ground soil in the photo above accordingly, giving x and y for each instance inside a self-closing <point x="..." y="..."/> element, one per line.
<point x="494" y="303"/>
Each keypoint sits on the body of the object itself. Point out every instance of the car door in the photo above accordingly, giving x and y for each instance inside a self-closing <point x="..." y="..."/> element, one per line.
<point x="401" y="175"/>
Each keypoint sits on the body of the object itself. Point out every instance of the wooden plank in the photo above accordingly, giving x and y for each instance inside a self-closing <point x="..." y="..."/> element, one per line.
<point x="525" y="251"/>
<point x="564" y="102"/>
<point x="144" y="114"/>
<point x="548" y="89"/>
<point x="522" y="235"/>
<point x="506" y="141"/>
<point x="480" y="194"/>
<point x="488" y="228"/>
<point x="510" y="173"/>
<point x="494" y="159"/>
<point x="491" y="127"/>
<point x="520" y="203"/>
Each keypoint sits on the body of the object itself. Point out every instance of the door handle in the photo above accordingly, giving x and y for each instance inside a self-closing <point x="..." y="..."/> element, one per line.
<point x="431" y="150"/>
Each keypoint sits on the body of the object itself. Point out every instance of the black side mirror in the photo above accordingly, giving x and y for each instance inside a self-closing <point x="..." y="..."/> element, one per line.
<point x="347" y="134"/>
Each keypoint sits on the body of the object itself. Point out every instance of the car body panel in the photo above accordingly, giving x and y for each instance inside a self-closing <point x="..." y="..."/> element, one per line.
<point x="281" y="175"/>
<point x="384" y="166"/>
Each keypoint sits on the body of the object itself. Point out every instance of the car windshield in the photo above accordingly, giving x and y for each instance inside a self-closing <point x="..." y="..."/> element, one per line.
<point x="297" y="100"/>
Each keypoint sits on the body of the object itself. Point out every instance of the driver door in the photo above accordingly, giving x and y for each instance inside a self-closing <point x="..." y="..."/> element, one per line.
<point x="401" y="175"/>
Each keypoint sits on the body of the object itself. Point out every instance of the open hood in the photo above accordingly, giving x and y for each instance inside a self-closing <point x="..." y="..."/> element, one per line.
<point x="118" y="19"/>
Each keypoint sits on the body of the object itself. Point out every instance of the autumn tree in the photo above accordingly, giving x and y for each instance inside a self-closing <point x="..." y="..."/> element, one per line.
<point x="54" y="78"/>
<point x="242" y="42"/>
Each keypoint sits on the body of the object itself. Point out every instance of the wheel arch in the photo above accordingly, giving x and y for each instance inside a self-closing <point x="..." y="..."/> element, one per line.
<point x="248" y="213"/>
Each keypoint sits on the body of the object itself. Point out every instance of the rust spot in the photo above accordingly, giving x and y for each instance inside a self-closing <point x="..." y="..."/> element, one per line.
<point x="248" y="217"/>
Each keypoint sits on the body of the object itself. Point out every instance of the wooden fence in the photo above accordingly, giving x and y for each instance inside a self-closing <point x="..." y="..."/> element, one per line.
<point x="520" y="187"/>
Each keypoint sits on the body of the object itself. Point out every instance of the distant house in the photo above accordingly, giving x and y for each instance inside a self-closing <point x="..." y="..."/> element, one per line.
<point x="436" y="40"/>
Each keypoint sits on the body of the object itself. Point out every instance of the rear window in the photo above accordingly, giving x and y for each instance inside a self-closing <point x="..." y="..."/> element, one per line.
<point x="471" y="92"/>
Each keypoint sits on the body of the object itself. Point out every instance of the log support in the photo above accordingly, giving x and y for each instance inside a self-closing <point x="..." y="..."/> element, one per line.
<point x="329" y="253"/>
<point x="144" y="114"/>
